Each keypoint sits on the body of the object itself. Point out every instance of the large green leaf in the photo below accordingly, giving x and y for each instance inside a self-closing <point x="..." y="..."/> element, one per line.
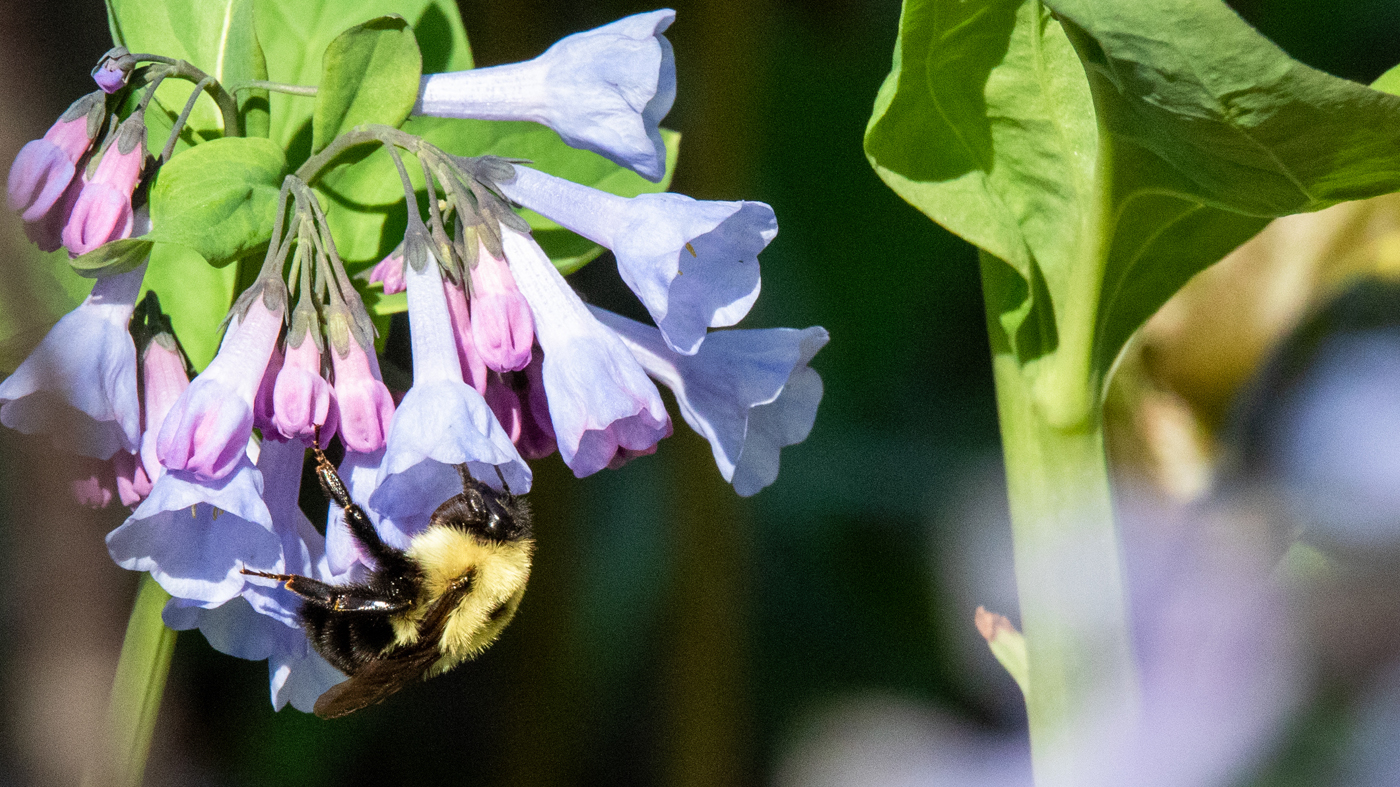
<point x="295" y="36"/>
<point x="217" y="36"/>
<point x="371" y="75"/>
<point x="219" y="198"/>
<point x="1105" y="153"/>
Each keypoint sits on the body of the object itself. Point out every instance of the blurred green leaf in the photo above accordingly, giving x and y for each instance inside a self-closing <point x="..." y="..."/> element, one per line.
<point x="1105" y="193"/>
<point x="371" y="75"/>
<point x="109" y="259"/>
<point x="219" y="197"/>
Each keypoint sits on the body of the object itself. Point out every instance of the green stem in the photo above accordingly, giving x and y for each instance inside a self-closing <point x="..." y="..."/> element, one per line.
<point x="137" y="689"/>
<point x="1068" y="570"/>
<point x="307" y="91"/>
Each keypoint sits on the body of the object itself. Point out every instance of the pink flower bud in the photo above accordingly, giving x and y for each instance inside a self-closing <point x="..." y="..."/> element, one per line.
<point x="47" y="232"/>
<point x="133" y="485"/>
<point x="473" y="367"/>
<point x="502" y="327"/>
<point x="363" y="401"/>
<point x="163" y="378"/>
<point x="302" y="399"/>
<point x="103" y="210"/>
<point x="45" y="167"/>
<point x="389" y="272"/>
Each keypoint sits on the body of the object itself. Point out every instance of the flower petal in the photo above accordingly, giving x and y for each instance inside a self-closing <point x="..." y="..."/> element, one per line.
<point x="194" y="536"/>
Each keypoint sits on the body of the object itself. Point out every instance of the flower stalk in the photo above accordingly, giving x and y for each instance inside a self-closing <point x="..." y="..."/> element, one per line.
<point x="1069" y="573"/>
<point x="136" y="692"/>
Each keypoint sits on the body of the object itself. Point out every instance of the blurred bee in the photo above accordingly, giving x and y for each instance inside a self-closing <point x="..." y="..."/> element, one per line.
<point x="423" y="610"/>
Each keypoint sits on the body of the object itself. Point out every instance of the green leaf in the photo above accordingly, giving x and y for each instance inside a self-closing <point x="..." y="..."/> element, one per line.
<point x="295" y="35"/>
<point x="109" y="259"/>
<point x="219" y="197"/>
<point x="1389" y="82"/>
<point x="217" y="36"/>
<point x="195" y="295"/>
<point x="1104" y="154"/>
<point x="371" y="75"/>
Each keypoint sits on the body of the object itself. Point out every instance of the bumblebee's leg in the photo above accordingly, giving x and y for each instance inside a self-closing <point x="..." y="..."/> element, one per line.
<point x="469" y="483"/>
<point x="338" y="598"/>
<point x="355" y="518"/>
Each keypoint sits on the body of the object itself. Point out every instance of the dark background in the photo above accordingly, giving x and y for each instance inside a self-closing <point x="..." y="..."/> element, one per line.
<point x="673" y="633"/>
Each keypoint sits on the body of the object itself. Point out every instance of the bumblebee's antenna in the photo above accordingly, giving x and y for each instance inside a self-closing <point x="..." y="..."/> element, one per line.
<point x="502" y="476"/>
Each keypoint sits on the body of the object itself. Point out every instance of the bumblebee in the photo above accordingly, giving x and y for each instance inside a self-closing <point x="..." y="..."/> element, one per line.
<point x="422" y="610"/>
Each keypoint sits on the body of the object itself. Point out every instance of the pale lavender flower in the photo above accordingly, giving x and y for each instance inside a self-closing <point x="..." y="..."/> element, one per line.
<point x="750" y="393"/>
<point x="694" y="265"/>
<point x="79" y="384"/>
<point x="208" y="428"/>
<point x="195" y="535"/>
<point x="601" y="403"/>
<point x="441" y="423"/>
<point x="604" y="90"/>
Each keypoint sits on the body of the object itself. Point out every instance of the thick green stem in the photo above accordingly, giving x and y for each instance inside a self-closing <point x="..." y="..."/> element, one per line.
<point x="1068" y="574"/>
<point x="137" y="689"/>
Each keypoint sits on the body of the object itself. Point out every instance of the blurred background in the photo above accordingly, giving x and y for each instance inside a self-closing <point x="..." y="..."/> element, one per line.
<point x="822" y="631"/>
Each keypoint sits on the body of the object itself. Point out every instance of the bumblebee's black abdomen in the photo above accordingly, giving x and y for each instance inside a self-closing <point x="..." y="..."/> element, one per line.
<point x="347" y="640"/>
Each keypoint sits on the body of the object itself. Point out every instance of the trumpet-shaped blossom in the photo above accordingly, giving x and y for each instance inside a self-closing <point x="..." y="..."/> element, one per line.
<point x="79" y="384"/>
<point x="363" y="402"/>
<point x="601" y="404"/>
<point x="502" y="327"/>
<point x="604" y="90"/>
<point x="207" y="429"/>
<point x="441" y="423"/>
<point x="103" y="210"/>
<point x="194" y="535"/>
<point x="302" y="399"/>
<point x="468" y="357"/>
<point x="750" y="393"/>
<point x="693" y="264"/>
<point x="45" y="168"/>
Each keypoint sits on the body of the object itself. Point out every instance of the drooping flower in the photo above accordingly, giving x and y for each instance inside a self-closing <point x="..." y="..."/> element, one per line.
<point x="79" y="384"/>
<point x="750" y="393"/>
<point x="694" y="265"/>
<point x="103" y="211"/>
<point x="502" y="326"/>
<point x="208" y="428"/>
<point x="365" y="407"/>
<point x="441" y="423"/>
<point x="194" y="535"/>
<point x="389" y="272"/>
<point x="46" y="167"/>
<point x="601" y="403"/>
<point x="302" y="399"/>
<point x="604" y="90"/>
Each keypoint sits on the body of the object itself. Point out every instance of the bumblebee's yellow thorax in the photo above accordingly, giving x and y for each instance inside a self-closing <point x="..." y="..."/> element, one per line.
<point x="498" y="572"/>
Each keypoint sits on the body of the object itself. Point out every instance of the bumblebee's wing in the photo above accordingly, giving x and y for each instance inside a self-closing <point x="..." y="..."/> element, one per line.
<point x="377" y="680"/>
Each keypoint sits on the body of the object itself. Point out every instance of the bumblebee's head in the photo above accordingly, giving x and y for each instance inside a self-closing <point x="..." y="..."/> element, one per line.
<point x="486" y="514"/>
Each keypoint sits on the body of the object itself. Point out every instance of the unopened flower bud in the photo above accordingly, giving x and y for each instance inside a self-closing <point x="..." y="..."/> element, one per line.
<point x="103" y="211"/>
<point x="114" y="69"/>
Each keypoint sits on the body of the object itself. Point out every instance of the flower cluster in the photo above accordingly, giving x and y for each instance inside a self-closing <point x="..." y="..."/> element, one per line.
<point x="509" y="364"/>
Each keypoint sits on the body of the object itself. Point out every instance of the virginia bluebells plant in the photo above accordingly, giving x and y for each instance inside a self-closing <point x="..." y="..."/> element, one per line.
<point x="509" y="365"/>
